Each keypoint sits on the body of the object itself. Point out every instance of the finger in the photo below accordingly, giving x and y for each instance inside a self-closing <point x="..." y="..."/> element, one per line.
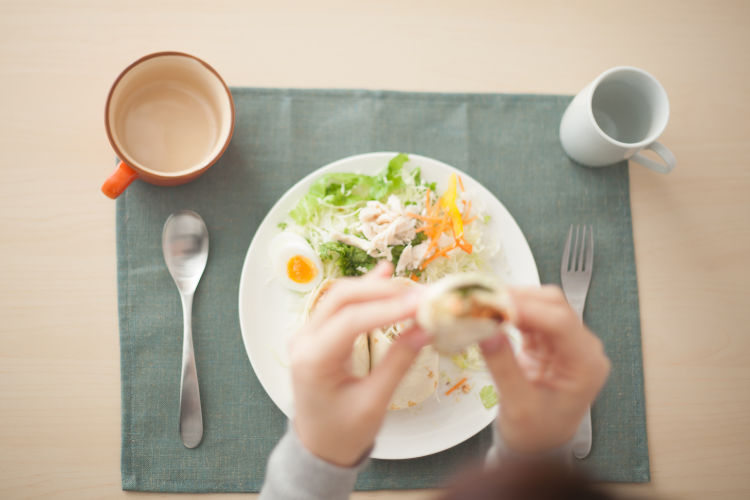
<point x="384" y="270"/>
<point x="533" y="368"/>
<point x="536" y="345"/>
<point x="502" y="364"/>
<point x="537" y="313"/>
<point x="353" y="291"/>
<point x="547" y="293"/>
<point x="338" y="333"/>
<point x="385" y="377"/>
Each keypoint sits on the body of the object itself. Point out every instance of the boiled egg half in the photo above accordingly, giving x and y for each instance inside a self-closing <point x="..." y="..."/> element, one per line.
<point x="296" y="265"/>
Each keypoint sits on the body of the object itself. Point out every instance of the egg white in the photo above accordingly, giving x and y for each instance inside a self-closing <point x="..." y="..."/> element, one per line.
<point x="286" y="248"/>
<point x="285" y="238"/>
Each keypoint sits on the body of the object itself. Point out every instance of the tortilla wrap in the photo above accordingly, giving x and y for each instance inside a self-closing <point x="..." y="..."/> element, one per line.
<point x="361" y="352"/>
<point x="361" y="356"/>
<point x="460" y="310"/>
<point x="421" y="379"/>
<point x="317" y="295"/>
<point x="418" y="383"/>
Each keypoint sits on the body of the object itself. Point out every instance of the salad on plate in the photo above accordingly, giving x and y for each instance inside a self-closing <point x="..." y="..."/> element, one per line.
<point x="352" y="221"/>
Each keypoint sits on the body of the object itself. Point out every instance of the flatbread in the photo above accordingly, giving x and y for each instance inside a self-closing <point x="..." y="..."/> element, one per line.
<point x="419" y="382"/>
<point x="317" y="295"/>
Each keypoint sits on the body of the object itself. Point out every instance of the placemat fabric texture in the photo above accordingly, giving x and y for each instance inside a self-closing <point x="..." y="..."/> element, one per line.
<point x="509" y="143"/>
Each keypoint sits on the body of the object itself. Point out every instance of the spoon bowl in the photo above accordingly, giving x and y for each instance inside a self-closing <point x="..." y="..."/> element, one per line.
<point x="185" y="245"/>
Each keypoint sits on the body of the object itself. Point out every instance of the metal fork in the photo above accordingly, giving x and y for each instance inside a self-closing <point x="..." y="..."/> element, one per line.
<point x="575" y="274"/>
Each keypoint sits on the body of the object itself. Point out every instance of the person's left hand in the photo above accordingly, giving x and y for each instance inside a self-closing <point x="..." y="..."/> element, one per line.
<point x="336" y="414"/>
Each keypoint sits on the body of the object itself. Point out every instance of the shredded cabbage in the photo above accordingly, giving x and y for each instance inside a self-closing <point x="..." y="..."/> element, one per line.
<point x="470" y="359"/>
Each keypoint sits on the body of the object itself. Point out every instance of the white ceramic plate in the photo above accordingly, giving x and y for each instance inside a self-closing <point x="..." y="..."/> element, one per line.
<point x="268" y="320"/>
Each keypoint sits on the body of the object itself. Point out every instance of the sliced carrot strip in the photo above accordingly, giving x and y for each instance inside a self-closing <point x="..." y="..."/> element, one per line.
<point x="461" y="183"/>
<point x="459" y="384"/>
<point x="466" y="247"/>
<point x="420" y="217"/>
<point x="440" y="253"/>
<point x="468" y="208"/>
<point x="430" y="247"/>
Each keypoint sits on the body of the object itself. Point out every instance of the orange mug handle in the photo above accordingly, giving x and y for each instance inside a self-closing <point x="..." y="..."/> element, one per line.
<point x="119" y="180"/>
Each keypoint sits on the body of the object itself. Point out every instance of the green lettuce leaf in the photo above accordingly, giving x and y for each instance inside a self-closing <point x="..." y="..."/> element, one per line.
<point x="417" y="175"/>
<point x="347" y="258"/>
<point x="396" y="252"/>
<point x="488" y="396"/>
<point x="341" y="189"/>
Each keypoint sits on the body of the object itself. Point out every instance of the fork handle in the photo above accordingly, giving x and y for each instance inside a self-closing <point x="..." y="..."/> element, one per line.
<point x="584" y="436"/>
<point x="191" y="417"/>
<point x="578" y="308"/>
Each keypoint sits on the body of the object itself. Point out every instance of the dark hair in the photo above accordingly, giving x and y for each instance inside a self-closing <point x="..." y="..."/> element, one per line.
<point x="527" y="481"/>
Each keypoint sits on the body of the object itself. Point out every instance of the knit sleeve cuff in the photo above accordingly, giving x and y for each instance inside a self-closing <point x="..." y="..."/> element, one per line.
<point x="295" y="473"/>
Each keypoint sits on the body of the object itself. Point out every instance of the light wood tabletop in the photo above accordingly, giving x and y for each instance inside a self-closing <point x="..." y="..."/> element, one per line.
<point x="59" y="352"/>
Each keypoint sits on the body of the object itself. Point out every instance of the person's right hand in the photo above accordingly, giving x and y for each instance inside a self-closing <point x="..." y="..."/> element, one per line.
<point x="545" y="390"/>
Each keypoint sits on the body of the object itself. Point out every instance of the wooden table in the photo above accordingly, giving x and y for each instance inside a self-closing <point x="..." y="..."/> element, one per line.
<point x="59" y="355"/>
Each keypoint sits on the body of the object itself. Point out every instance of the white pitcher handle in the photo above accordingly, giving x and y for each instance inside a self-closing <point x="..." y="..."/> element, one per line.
<point x="662" y="151"/>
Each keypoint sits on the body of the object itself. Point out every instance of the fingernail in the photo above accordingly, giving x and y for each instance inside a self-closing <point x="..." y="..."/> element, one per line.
<point x="494" y="345"/>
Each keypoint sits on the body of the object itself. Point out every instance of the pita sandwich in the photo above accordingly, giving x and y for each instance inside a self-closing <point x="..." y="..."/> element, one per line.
<point x="463" y="309"/>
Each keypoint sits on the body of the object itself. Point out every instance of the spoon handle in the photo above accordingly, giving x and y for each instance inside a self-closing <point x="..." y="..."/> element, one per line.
<point x="191" y="419"/>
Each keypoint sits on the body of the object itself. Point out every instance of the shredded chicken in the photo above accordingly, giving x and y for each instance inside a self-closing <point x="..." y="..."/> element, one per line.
<point x="411" y="257"/>
<point x="384" y="225"/>
<point x="350" y="239"/>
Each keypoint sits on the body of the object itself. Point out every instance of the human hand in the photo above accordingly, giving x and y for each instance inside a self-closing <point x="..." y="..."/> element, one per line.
<point x="336" y="414"/>
<point x="545" y="390"/>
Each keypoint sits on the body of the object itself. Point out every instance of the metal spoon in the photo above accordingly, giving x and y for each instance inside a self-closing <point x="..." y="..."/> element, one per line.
<point x="185" y="245"/>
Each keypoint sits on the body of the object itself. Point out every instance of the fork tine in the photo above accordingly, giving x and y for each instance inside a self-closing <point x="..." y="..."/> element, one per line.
<point x="566" y="252"/>
<point x="574" y="258"/>
<point x="590" y="250"/>
<point x="579" y="268"/>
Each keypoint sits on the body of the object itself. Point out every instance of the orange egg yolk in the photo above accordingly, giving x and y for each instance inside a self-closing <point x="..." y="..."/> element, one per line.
<point x="300" y="269"/>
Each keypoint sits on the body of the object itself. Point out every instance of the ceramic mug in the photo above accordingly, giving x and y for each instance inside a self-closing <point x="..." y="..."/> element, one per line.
<point x="169" y="116"/>
<point x="620" y="113"/>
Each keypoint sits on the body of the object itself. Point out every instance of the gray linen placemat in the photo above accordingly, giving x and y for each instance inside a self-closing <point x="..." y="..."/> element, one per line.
<point x="507" y="142"/>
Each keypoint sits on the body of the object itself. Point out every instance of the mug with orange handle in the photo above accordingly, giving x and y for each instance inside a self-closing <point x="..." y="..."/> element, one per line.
<point x="169" y="116"/>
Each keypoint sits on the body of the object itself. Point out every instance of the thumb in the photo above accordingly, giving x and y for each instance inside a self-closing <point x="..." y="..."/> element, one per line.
<point x="501" y="362"/>
<point x="385" y="377"/>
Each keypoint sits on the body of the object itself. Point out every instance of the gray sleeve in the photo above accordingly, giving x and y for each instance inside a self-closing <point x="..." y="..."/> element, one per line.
<point x="499" y="452"/>
<point x="293" y="472"/>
